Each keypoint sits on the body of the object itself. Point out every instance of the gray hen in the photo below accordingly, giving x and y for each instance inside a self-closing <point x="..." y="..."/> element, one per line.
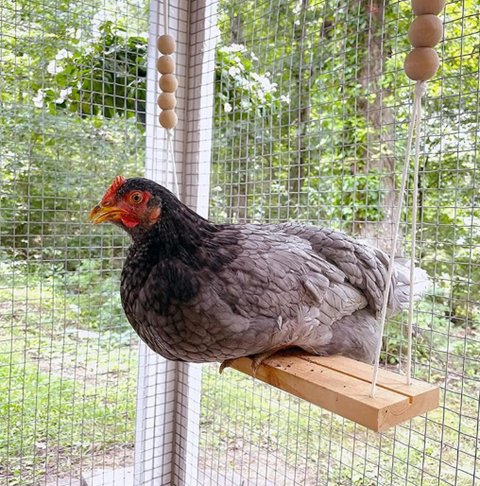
<point x="197" y="291"/>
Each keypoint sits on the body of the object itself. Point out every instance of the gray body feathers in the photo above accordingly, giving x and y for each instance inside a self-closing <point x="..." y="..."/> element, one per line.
<point x="238" y="290"/>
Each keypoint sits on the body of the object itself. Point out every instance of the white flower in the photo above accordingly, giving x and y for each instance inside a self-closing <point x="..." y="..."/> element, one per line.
<point x="65" y="92"/>
<point x="38" y="100"/>
<point x="233" y="71"/>
<point x="73" y="33"/>
<point x="98" y="20"/>
<point x="233" y="48"/>
<point x="63" y="95"/>
<point x="63" y="54"/>
<point x="265" y="84"/>
<point x="53" y="68"/>
<point x="227" y="107"/>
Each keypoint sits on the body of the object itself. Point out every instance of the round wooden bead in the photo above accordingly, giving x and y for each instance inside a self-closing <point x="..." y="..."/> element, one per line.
<point x="168" y="83"/>
<point x="167" y="101"/>
<point x="421" y="63"/>
<point x="422" y="7"/>
<point x="166" y="44"/>
<point x="165" y="65"/>
<point x="168" y="119"/>
<point x="425" y="31"/>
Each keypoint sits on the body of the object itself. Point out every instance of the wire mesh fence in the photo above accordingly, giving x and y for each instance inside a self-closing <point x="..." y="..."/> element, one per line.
<point x="309" y="123"/>
<point x="72" y="117"/>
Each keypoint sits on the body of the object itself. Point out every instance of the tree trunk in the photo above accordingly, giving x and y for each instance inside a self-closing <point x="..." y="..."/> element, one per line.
<point x="302" y="74"/>
<point x="380" y="131"/>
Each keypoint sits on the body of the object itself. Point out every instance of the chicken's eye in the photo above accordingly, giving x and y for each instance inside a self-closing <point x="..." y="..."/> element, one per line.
<point x="136" y="197"/>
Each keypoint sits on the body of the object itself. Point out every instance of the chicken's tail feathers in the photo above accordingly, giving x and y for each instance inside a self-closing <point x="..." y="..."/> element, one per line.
<point x="401" y="293"/>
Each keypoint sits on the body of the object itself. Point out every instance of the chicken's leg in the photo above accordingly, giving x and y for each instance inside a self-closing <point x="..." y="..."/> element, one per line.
<point x="257" y="360"/>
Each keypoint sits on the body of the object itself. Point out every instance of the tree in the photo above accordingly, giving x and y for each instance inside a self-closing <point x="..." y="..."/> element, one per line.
<point x="378" y="155"/>
<point x="65" y="106"/>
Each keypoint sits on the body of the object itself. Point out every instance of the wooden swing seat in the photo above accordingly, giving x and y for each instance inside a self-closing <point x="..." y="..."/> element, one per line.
<point x="342" y="386"/>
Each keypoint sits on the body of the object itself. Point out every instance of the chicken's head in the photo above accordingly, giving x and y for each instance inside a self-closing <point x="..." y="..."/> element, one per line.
<point x="130" y="204"/>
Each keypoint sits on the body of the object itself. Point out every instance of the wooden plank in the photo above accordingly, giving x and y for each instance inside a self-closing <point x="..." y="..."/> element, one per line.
<point x="342" y="392"/>
<point x="362" y="371"/>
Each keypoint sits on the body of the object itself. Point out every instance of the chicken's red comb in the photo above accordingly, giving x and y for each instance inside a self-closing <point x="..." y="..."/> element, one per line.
<point x="116" y="185"/>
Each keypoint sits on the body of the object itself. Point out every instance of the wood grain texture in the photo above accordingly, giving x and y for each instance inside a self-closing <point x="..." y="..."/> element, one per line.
<point x="342" y="386"/>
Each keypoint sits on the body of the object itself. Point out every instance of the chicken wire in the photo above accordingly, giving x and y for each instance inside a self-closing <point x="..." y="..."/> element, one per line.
<point x="310" y="124"/>
<point x="302" y="116"/>
<point x="72" y="117"/>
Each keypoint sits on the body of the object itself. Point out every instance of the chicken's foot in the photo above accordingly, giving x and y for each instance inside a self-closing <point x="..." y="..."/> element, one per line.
<point x="257" y="360"/>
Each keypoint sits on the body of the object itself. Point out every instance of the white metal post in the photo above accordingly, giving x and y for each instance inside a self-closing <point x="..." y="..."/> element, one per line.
<point x="200" y="79"/>
<point x="168" y="394"/>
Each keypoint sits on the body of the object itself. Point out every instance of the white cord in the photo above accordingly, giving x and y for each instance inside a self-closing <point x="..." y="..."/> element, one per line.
<point x="165" y="15"/>
<point x="170" y="148"/>
<point x="171" y="159"/>
<point x="420" y="90"/>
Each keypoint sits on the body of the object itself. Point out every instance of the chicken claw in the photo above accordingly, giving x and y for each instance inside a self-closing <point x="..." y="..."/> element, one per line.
<point x="226" y="364"/>
<point x="258" y="359"/>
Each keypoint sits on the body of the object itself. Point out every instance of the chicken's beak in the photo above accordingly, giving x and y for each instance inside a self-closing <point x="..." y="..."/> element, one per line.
<point x="101" y="213"/>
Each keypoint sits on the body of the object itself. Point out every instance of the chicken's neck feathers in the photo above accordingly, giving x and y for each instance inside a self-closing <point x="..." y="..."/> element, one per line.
<point x="179" y="233"/>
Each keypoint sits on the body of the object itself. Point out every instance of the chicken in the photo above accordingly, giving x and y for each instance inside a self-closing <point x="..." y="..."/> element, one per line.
<point x="199" y="292"/>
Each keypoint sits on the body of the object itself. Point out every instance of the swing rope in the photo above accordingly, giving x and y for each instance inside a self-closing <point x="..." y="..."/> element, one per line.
<point x="420" y="64"/>
<point x="171" y="161"/>
<point x="166" y="46"/>
<point x="415" y="122"/>
<point x="165" y="16"/>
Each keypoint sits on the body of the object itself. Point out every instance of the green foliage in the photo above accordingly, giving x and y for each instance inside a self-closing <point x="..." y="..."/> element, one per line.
<point x="246" y="104"/>
<point x="295" y="138"/>
<point x="45" y="412"/>
<point x="67" y="382"/>
<point x="60" y="305"/>
<point x="71" y="119"/>
<point x="106" y="78"/>
<point x="275" y="160"/>
<point x="51" y="177"/>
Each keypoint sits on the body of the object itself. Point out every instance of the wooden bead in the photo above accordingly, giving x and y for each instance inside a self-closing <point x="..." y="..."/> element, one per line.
<point x="166" y="44"/>
<point x="422" y="7"/>
<point x="168" y="83"/>
<point x="168" y="119"/>
<point x="167" y="101"/>
<point x="165" y="65"/>
<point x="425" y="31"/>
<point x="422" y="63"/>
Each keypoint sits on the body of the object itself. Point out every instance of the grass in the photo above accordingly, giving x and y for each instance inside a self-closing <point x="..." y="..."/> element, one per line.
<point x="67" y="389"/>
<point x="330" y="450"/>
<point x="67" y="397"/>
